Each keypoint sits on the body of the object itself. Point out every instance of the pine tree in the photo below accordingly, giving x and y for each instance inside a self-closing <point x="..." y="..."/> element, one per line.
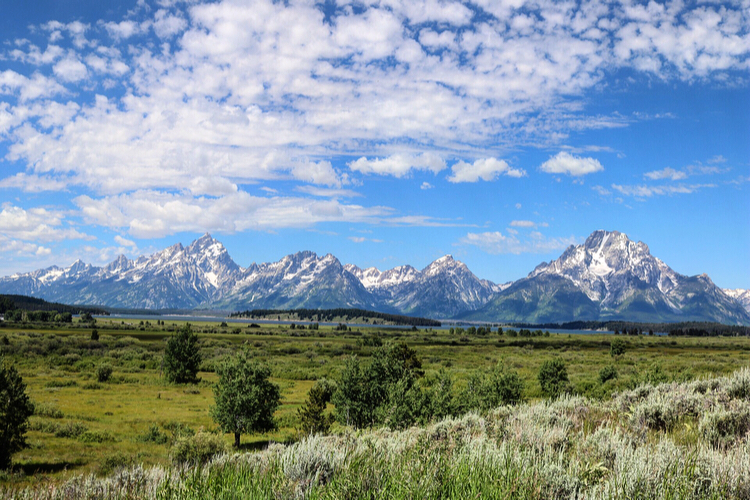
<point x="15" y="410"/>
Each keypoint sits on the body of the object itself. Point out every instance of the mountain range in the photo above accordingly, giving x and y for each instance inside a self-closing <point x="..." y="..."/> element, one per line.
<point x="607" y="277"/>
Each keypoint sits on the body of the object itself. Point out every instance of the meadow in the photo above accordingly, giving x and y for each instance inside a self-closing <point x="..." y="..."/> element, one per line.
<point x="90" y="430"/>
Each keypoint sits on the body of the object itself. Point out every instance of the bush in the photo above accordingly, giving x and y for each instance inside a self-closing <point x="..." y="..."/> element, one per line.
<point x="103" y="372"/>
<point x="553" y="378"/>
<point x="617" y="348"/>
<point x="97" y="437"/>
<point x="198" y="449"/>
<point x="70" y="430"/>
<point x="153" y="435"/>
<point x="113" y="463"/>
<point x="94" y="335"/>
<point x="493" y="388"/>
<point x="607" y="373"/>
<point x="722" y="428"/>
<point x="47" y="410"/>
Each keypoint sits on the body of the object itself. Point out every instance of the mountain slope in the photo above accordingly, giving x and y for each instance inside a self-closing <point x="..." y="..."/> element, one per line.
<point x="620" y="280"/>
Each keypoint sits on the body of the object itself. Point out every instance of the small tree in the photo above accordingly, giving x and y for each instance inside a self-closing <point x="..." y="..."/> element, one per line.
<point x="103" y="372"/>
<point x="182" y="357"/>
<point x="617" y="348"/>
<point x="312" y="415"/>
<point x="15" y="410"/>
<point x="553" y="377"/>
<point x="245" y="398"/>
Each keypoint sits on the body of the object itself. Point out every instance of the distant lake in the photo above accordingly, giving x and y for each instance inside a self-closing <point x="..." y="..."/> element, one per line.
<point x="246" y="321"/>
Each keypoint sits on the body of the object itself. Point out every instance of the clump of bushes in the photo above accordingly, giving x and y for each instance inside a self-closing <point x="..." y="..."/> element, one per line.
<point x="48" y="410"/>
<point x="198" y="449"/>
<point x="153" y="435"/>
<point x="723" y="427"/>
<point x="103" y="372"/>
<point x="607" y="373"/>
<point x="553" y="378"/>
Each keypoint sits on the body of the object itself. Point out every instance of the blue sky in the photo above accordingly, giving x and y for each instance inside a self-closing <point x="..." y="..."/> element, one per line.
<point x="386" y="133"/>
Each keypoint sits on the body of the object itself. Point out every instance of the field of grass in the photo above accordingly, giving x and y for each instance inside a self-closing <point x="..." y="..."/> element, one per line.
<point x="84" y="426"/>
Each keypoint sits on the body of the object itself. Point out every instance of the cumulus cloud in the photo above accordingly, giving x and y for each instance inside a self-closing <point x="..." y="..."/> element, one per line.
<point x="494" y="242"/>
<point x="486" y="169"/>
<point x="399" y="165"/>
<point x="35" y="224"/>
<point x="566" y="163"/>
<point x="426" y="185"/>
<point x="125" y="242"/>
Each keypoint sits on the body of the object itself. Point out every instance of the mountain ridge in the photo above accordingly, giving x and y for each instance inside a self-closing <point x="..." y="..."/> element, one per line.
<point x="609" y="276"/>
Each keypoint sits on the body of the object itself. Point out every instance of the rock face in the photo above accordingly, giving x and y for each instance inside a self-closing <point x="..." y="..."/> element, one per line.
<point x="608" y="277"/>
<point x="740" y="295"/>
<point x="611" y="277"/>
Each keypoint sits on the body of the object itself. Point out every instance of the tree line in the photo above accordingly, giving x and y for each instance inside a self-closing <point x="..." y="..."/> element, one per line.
<point x="328" y="315"/>
<point x="684" y="328"/>
<point x="25" y="303"/>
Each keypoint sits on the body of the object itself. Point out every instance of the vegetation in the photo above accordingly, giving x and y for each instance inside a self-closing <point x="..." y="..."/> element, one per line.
<point x="685" y="328"/>
<point x="245" y="399"/>
<point x="133" y="422"/>
<point x="329" y="315"/>
<point x="182" y="357"/>
<point x="553" y="378"/>
<point x="313" y="417"/>
<point x="15" y="410"/>
<point x="572" y="447"/>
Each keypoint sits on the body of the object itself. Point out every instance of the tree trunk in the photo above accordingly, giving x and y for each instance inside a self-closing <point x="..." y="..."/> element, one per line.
<point x="236" y="439"/>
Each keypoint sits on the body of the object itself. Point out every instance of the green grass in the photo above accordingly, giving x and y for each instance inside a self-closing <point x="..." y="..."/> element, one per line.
<point x="58" y="366"/>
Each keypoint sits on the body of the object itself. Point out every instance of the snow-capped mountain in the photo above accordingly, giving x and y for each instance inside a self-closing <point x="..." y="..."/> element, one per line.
<point x="442" y="289"/>
<point x="607" y="277"/>
<point x="740" y="295"/>
<point x="176" y="277"/>
<point x="301" y="280"/>
<point x="610" y="276"/>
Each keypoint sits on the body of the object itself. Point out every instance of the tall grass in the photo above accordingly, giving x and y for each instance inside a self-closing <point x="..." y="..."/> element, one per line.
<point x="670" y="441"/>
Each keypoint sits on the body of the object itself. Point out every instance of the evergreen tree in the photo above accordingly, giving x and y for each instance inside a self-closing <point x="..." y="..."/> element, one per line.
<point x="182" y="357"/>
<point x="245" y="398"/>
<point x="312" y="415"/>
<point x="553" y="377"/>
<point x="15" y="410"/>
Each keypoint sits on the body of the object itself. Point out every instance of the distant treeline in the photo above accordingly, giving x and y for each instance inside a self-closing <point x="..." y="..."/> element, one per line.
<point x="685" y="328"/>
<point x="328" y="315"/>
<point x="24" y="303"/>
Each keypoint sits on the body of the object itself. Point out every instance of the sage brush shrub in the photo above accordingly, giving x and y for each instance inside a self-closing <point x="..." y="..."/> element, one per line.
<point x="724" y="427"/>
<point x="197" y="449"/>
<point x="103" y="372"/>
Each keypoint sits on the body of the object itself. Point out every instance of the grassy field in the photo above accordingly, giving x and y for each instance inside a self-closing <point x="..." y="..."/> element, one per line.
<point x="88" y="427"/>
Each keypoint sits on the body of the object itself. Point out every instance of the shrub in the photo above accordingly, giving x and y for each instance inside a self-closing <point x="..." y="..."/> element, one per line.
<point x="198" y="449"/>
<point x="607" y="373"/>
<point x="617" y="348"/>
<point x="47" y="410"/>
<point x="113" y="463"/>
<point x="723" y="427"/>
<point x="97" y="437"/>
<point x="103" y="372"/>
<point x="553" y="377"/>
<point x="70" y="430"/>
<point x="94" y="335"/>
<point x="153" y="435"/>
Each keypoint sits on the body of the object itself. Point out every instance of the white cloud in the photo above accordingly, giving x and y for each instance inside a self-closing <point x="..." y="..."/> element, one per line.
<point x="666" y="173"/>
<point x="149" y="214"/>
<point x="33" y="183"/>
<point x="565" y="163"/>
<point x="360" y="239"/>
<point x="70" y="69"/>
<point x="487" y="169"/>
<point x="399" y="165"/>
<point x="643" y="191"/>
<point x="527" y="224"/>
<point x="328" y="193"/>
<point x="35" y="224"/>
<point x="495" y="242"/>
<point x="426" y="185"/>
<point x="602" y="190"/>
<point x="125" y="242"/>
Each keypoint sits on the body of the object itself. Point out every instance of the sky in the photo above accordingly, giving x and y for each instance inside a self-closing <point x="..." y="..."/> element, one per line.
<point x="384" y="132"/>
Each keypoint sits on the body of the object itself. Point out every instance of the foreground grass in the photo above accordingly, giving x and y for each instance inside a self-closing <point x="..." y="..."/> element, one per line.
<point x="86" y="427"/>
<point x="670" y="441"/>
